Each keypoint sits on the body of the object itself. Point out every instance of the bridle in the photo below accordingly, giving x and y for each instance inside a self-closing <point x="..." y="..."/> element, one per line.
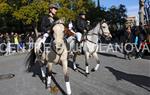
<point x="59" y="54"/>
<point x="98" y="34"/>
<point x="54" y="50"/>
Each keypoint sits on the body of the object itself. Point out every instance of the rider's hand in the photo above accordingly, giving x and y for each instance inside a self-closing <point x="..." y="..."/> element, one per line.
<point x="84" y="31"/>
<point x="45" y="35"/>
<point x="48" y="31"/>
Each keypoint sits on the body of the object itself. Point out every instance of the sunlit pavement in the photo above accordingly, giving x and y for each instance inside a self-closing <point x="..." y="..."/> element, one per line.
<point x="116" y="76"/>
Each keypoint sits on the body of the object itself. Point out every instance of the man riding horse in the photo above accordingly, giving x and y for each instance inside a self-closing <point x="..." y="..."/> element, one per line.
<point x="47" y="23"/>
<point x="82" y="27"/>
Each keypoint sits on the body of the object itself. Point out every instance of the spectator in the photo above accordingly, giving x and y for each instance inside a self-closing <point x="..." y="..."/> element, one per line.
<point x="31" y="43"/>
<point x="16" y="42"/>
<point x="127" y="39"/>
<point x="8" y="47"/>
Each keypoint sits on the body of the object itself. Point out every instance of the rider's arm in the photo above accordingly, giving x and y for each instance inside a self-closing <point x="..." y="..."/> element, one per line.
<point x="80" y="26"/>
<point x="44" y="24"/>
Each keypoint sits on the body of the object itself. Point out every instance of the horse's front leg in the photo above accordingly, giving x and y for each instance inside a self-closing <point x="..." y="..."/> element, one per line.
<point x="66" y="76"/>
<point x="43" y="72"/>
<point x="97" y="60"/>
<point x="86" y="64"/>
<point x="49" y="75"/>
<point x="74" y="62"/>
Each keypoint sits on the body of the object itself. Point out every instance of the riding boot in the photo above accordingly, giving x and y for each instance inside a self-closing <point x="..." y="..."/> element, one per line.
<point x="42" y="48"/>
<point x="42" y="45"/>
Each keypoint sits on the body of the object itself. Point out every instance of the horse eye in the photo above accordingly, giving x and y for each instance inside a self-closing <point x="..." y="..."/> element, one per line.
<point x="103" y="26"/>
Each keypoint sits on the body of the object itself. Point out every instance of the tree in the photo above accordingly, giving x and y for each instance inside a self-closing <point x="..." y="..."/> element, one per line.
<point x="5" y="12"/>
<point x="71" y="8"/>
<point x="117" y="16"/>
<point x="31" y="13"/>
<point x="4" y="8"/>
<point x="122" y="15"/>
<point x="147" y="11"/>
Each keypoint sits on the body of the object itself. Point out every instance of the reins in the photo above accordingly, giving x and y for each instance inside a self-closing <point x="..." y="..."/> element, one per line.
<point x="57" y="53"/>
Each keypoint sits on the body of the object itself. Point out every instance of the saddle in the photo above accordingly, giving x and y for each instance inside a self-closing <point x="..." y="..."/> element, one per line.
<point x="68" y="32"/>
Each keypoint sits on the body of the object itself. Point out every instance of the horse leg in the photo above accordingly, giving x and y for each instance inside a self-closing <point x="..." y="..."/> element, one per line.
<point x="86" y="63"/>
<point x="66" y="76"/>
<point x="74" y="62"/>
<point x="49" y="74"/>
<point x="43" y="71"/>
<point x="97" y="60"/>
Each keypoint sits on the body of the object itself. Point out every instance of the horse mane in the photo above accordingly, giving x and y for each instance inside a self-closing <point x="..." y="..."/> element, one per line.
<point x="58" y="27"/>
<point x="93" y="25"/>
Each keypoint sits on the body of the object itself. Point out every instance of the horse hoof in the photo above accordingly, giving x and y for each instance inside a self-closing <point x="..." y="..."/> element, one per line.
<point x="75" y="70"/>
<point x="34" y="75"/>
<point x="44" y="79"/>
<point x="86" y="74"/>
<point x="48" y="87"/>
<point x="93" y="70"/>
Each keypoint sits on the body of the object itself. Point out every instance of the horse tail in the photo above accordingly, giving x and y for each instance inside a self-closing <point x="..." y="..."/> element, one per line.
<point x="30" y="60"/>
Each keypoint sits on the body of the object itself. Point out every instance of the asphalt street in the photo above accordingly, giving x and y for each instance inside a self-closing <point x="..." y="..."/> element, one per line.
<point x="116" y="76"/>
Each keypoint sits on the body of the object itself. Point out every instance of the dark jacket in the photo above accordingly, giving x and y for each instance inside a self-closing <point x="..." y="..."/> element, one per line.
<point x="46" y="23"/>
<point x="12" y="38"/>
<point x="81" y="25"/>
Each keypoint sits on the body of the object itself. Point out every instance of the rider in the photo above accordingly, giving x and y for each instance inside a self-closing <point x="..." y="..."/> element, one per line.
<point x="48" y="21"/>
<point x="81" y="25"/>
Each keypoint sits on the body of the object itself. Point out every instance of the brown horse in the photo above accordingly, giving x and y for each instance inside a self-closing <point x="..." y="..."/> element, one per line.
<point x="58" y="53"/>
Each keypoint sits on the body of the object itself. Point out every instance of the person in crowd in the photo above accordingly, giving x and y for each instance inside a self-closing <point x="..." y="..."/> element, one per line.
<point x="1" y="38"/>
<point x="12" y="40"/>
<point x="31" y="42"/>
<point x="12" y="37"/>
<point x="22" y="42"/>
<point x="127" y="39"/>
<point x="3" y="45"/>
<point x="16" y="41"/>
<point x="8" y="47"/>
<point x="142" y="40"/>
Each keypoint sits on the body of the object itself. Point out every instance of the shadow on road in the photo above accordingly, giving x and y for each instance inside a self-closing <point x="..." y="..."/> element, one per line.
<point x="79" y="69"/>
<point x="146" y="57"/>
<point x="138" y="80"/>
<point x="37" y="72"/>
<point x="59" y="87"/>
<point x="110" y="55"/>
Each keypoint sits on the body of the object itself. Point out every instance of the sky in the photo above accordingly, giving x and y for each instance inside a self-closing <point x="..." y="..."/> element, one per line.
<point x="131" y="5"/>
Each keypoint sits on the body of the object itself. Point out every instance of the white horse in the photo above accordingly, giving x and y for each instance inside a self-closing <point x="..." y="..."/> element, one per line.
<point x="90" y="45"/>
<point x="58" y="53"/>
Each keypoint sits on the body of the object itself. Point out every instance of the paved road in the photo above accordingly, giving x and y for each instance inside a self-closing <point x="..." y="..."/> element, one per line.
<point x="116" y="76"/>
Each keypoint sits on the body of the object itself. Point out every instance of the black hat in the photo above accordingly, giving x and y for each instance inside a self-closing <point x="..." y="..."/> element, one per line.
<point x="82" y="13"/>
<point x="53" y="6"/>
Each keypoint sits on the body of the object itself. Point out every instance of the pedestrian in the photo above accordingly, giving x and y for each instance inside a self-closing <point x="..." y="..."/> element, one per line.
<point x="126" y="43"/>
<point x="8" y="47"/>
<point x="16" y="42"/>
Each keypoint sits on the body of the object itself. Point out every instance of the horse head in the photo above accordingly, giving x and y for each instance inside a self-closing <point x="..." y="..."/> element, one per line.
<point x="105" y="31"/>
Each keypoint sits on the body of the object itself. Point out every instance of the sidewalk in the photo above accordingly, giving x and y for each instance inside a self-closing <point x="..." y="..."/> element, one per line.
<point x="16" y="53"/>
